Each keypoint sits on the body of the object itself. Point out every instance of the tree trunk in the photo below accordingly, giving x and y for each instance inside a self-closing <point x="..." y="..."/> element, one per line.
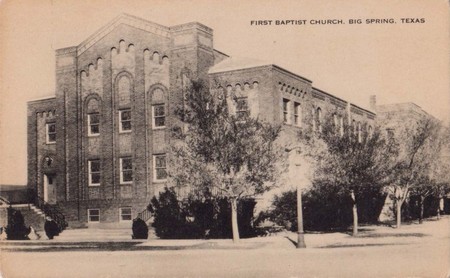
<point x="355" y="220"/>
<point x="421" y="210"/>
<point x="440" y="207"/>
<point x="399" y="213"/>
<point x="355" y="214"/>
<point x="234" y="220"/>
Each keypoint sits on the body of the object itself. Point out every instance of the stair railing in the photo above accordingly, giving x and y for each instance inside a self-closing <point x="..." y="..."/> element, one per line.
<point x="49" y="210"/>
<point x="145" y="215"/>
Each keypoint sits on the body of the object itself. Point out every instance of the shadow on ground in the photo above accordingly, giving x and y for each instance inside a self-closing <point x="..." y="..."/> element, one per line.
<point x="380" y="235"/>
<point x="114" y="246"/>
<point x="360" y="245"/>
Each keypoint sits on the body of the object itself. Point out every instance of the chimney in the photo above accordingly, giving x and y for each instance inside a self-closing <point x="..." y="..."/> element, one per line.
<point x="373" y="103"/>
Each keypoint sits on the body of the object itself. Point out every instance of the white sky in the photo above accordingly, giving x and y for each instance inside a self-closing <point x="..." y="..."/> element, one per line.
<point x="397" y="62"/>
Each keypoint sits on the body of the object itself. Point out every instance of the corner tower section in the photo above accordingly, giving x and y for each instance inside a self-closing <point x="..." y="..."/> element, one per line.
<point x="67" y="121"/>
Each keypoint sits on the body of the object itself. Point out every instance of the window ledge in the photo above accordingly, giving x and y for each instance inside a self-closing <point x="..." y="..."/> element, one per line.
<point x="126" y="183"/>
<point x="158" y="127"/>
<point x="124" y="131"/>
<point x="94" y="185"/>
<point x="94" y="135"/>
<point x="160" y="181"/>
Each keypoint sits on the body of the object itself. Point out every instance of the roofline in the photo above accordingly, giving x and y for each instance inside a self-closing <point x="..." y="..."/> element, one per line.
<point x="364" y="109"/>
<point x="328" y="94"/>
<point x="409" y="102"/>
<point x="290" y="72"/>
<point x="41" y="99"/>
<point x="266" y="66"/>
<point x="111" y="23"/>
<point x="221" y="52"/>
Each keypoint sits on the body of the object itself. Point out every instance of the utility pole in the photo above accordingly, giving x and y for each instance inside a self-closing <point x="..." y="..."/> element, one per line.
<point x="300" y="232"/>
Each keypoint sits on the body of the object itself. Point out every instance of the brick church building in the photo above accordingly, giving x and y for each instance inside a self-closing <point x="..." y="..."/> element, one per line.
<point x="98" y="148"/>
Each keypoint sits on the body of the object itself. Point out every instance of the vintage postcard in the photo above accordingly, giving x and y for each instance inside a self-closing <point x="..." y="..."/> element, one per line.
<point x="229" y="138"/>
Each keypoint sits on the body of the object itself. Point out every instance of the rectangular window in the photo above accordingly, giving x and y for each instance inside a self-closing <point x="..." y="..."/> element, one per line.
<point x="126" y="170"/>
<point x="125" y="120"/>
<point x="159" y="116"/>
<point x="390" y="133"/>
<point x="125" y="214"/>
<point x="93" y="124"/>
<point x="160" y="167"/>
<point x="297" y="114"/>
<point x="94" y="172"/>
<point x="93" y="215"/>
<point x="50" y="133"/>
<point x="286" y="114"/>
<point x="241" y="107"/>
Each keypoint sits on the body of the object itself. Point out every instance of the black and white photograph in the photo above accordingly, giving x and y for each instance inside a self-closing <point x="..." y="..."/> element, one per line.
<point x="204" y="138"/>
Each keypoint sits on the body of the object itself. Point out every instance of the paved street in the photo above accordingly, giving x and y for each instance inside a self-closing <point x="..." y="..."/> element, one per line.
<point x="413" y="251"/>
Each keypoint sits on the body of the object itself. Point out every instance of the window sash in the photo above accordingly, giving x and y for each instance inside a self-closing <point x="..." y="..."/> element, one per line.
<point x="160" y="167"/>
<point x="51" y="133"/>
<point x="286" y="103"/>
<point x="94" y="172"/>
<point x="126" y="170"/>
<point x="125" y="214"/>
<point x="297" y="112"/>
<point x="159" y="116"/>
<point x="93" y="215"/>
<point x="242" y="107"/>
<point x="125" y="120"/>
<point x="93" y="124"/>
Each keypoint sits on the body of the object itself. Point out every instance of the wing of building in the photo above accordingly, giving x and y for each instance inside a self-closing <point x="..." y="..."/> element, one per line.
<point x="97" y="149"/>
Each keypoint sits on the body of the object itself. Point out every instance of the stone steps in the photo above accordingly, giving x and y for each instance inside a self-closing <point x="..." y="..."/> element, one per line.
<point x="94" y="234"/>
<point x="98" y="234"/>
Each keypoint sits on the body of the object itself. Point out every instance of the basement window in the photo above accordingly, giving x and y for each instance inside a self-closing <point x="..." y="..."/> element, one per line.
<point x="125" y="214"/>
<point x="93" y="215"/>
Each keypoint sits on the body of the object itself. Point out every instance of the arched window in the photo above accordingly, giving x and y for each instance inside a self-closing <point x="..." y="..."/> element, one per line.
<point x="313" y="118"/>
<point x="93" y="117"/>
<point x="359" y="132"/>
<point x="297" y="114"/>
<point x="341" y="126"/>
<point x="123" y="101"/>
<point x="159" y="108"/>
<point x="370" y="131"/>
<point x="124" y="90"/>
<point x="319" y="119"/>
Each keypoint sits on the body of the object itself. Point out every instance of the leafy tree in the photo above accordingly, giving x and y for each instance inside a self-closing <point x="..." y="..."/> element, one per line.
<point x="353" y="162"/>
<point x="440" y="171"/>
<point x="233" y="156"/>
<point x="418" y="149"/>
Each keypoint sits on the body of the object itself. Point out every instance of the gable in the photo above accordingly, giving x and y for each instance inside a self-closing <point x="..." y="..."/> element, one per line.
<point x="125" y="19"/>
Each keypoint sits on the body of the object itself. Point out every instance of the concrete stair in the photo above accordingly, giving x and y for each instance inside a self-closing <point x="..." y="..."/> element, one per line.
<point x="99" y="234"/>
<point x="94" y="234"/>
<point x="32" y="215"/>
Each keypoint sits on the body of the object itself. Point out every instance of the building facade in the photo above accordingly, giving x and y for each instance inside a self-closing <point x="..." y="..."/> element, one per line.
<point x="98" y="148"/>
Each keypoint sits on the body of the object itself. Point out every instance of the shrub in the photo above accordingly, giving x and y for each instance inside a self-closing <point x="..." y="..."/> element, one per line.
<point x="208" y="218"/>
<point x="51" y="229"/>
<point x="169" y="218"/>
<point x="16" y="229"/>
<point x="140" y="229"/>
<point x="325" y="207"/>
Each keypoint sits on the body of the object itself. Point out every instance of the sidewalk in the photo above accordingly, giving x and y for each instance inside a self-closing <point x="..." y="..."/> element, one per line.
<point x="371" y="235"/>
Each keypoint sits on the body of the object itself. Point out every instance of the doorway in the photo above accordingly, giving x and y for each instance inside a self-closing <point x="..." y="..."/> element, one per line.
<point x="50" y="189"/>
